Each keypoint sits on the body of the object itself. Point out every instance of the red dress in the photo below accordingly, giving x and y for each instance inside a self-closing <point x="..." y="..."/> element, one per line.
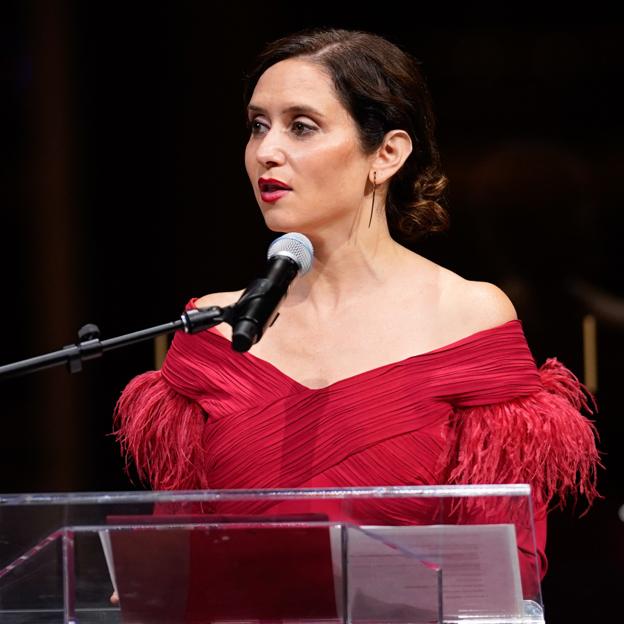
<point x="474" y="411"/>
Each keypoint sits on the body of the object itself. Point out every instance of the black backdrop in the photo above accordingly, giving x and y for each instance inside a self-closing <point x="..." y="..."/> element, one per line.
<point x="124" y="194"/>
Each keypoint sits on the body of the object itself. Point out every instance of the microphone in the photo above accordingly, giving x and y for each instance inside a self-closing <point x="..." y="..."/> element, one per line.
<point x="256" y="310"/>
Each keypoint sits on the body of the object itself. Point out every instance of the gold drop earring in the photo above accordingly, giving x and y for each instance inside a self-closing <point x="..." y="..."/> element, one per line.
<point x="373" y="202"/>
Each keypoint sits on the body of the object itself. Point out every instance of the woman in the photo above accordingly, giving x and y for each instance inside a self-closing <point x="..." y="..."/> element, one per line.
<point x="383" y="367"/>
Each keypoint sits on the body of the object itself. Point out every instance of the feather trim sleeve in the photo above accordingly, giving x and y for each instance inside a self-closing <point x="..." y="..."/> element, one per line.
<point x="542" y="439"/>
<point x="160" y="431"/>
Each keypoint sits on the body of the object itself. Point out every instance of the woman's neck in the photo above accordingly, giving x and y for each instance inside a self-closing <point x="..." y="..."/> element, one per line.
<point x="345" y="265"/>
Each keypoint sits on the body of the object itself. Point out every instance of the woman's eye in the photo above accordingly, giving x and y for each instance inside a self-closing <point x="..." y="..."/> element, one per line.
<point x="256" y="126"/>
<point x="299" y="128"/>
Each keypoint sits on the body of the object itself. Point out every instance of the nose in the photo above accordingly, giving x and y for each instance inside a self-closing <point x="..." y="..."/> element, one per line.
<point x="270" y="149"/>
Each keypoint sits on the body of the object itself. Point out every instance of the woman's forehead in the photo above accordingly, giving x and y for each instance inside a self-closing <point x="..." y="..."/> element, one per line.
<point x="294" y="84"/>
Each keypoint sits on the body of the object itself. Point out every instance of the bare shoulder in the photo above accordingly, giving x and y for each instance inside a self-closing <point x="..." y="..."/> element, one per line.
<point x="474" y="306"/>
<point x="218" y="299"/>
<point x="488" y="303"/>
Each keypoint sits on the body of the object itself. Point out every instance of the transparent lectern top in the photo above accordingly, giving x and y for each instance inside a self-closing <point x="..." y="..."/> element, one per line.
<point x="417" y="554"/>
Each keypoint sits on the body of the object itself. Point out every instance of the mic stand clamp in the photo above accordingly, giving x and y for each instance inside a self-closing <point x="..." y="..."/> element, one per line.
<point x="89" y="347"/>
<point x="198" y="319"/>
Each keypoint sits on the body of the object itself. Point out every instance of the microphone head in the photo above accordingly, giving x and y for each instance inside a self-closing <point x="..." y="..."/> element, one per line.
<point x="295" y="246"/>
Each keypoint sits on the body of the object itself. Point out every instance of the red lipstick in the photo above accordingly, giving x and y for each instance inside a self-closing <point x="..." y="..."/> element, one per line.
<point x="271" y="189"/>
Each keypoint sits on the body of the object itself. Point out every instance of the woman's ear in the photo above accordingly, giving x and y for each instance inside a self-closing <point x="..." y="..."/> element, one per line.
<point x="393" y="152"/>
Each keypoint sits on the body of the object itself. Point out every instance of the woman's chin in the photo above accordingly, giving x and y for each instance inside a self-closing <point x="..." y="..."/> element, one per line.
<point x="283" y="225"/>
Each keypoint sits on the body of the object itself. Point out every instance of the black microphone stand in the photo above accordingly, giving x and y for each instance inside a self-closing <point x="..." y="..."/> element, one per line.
<point x="89" y="345"/>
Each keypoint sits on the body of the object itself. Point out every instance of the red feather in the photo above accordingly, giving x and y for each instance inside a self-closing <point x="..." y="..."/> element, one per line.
<point x="161" y="431"/>
<point x="541" y="439"/>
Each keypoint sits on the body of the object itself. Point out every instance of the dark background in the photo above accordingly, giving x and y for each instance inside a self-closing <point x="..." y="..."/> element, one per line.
<point x="124" y="194"/>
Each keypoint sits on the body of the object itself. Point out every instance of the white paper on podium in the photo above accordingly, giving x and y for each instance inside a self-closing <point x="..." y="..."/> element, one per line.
<point x="479" y="563"/>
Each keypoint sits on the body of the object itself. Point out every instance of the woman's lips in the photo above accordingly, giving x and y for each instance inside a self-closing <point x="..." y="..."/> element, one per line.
<point x="273" y="196"/>
<point x="271" y="189"/>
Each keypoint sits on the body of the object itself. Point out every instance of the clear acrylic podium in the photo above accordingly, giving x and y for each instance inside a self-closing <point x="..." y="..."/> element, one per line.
<point x="325" y="555"/>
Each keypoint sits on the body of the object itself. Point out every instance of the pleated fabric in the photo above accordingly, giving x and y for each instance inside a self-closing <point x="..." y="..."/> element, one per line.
<point x="474" y="411"/>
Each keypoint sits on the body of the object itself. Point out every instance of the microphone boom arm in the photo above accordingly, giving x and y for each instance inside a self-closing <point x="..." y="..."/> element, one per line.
<point x="89" y="345"/>
<point x="249" y="316"/>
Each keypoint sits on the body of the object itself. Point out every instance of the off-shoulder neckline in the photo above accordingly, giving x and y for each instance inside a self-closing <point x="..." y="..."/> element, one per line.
<point x="250" y="357"/>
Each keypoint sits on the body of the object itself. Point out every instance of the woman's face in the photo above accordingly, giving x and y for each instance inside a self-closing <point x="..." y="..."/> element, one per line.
<point x="303" y="156"/>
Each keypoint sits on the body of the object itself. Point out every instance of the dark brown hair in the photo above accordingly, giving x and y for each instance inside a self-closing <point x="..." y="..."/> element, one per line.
<point x="381" y="86"/>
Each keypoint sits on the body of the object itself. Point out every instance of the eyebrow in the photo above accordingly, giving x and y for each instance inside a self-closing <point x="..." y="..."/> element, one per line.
<point x="299" y="109"/>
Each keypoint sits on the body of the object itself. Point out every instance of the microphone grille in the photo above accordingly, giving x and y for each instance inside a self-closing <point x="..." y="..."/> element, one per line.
<point x="295" y="246"/>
